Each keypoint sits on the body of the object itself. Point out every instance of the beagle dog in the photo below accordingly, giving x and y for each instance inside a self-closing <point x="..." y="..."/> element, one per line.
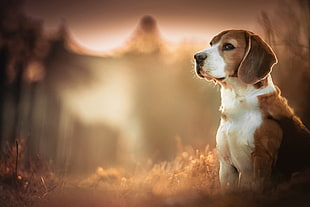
<point x="259" y="141"/>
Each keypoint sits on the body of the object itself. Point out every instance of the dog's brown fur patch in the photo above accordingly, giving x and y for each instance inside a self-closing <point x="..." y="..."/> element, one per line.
<point x="282" y="139"/>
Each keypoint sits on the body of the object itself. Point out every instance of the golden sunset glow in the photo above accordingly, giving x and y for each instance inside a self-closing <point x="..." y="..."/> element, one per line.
<point x="107" y="101"/>
<point x="100" y="103"/>
<point x="105" y="25"/>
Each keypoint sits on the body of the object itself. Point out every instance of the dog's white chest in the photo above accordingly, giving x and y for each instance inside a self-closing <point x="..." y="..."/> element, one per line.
<point x="241" y="117"/>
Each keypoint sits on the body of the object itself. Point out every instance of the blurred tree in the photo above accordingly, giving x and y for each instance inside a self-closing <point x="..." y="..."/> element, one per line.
<point x="21" y="44"/>
<point x="3" y="79"/>
<point x="146" y="39"/>
<point x="7" y="7"/>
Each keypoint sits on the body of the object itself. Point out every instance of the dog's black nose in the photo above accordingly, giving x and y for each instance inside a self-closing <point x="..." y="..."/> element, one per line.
<point x="199" y="57"/>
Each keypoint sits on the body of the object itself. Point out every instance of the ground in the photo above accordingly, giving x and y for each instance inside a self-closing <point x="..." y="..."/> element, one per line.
<point x="191" y="179"/>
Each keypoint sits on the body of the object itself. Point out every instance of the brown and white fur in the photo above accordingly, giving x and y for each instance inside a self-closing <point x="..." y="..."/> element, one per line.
<point x="259" y="136"/>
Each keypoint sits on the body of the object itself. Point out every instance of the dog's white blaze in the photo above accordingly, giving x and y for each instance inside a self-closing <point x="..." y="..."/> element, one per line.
<point x="235" y="136"/>
<point x="215" y="64"/>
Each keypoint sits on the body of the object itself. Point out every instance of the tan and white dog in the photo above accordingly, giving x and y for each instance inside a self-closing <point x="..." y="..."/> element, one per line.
<point x="259" y="136"/>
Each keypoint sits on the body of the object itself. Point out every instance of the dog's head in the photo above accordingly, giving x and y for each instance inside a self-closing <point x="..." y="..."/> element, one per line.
<point x="235" y="53"/>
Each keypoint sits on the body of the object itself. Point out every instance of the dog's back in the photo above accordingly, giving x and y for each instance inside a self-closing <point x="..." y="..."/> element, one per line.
<point x="293" y="155"/>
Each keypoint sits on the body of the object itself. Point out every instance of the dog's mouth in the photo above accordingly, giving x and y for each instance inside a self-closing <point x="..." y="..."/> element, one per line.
<point x="202" y="74"/>
<point x="220" y="79"/>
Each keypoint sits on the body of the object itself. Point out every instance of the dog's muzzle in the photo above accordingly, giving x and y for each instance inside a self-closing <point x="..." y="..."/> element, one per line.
<point x="200" y="58"/>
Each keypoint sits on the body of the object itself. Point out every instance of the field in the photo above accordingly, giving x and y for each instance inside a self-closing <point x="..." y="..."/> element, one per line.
<point x="191" y="179"/>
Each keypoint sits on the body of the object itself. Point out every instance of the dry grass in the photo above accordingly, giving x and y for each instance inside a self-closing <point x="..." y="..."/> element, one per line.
<point x="191" y="179"/>
<point x="192" y="173"/>
<point x="24" y="183"/>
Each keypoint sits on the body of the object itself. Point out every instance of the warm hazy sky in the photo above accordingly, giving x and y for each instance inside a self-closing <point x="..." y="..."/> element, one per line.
<point x="104" y="24"/>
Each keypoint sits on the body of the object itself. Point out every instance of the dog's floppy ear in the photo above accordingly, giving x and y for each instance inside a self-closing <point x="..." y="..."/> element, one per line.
<point x="257" y="61"/>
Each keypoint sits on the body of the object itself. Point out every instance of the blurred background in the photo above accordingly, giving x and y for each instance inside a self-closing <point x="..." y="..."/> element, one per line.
<point x="111" y="83"/>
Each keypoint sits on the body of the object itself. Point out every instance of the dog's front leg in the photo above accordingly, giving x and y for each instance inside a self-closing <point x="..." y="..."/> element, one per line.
<point x="268" y="139"/>
<point x="262" y="165"/>
<point x="228" y="176"/>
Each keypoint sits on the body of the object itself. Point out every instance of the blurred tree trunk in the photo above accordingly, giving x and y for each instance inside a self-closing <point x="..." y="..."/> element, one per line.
<point x="17" y="93"/>
<point x="3" y="80"/>
<point x="30" y="131"/>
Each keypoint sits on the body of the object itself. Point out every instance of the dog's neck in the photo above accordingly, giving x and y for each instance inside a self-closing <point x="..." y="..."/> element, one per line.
<point x="236" y="94"/>
<point x="235" y="86"/>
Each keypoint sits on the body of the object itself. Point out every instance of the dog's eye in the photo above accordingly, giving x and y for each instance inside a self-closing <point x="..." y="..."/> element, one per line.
<point x="228" y="46"/>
